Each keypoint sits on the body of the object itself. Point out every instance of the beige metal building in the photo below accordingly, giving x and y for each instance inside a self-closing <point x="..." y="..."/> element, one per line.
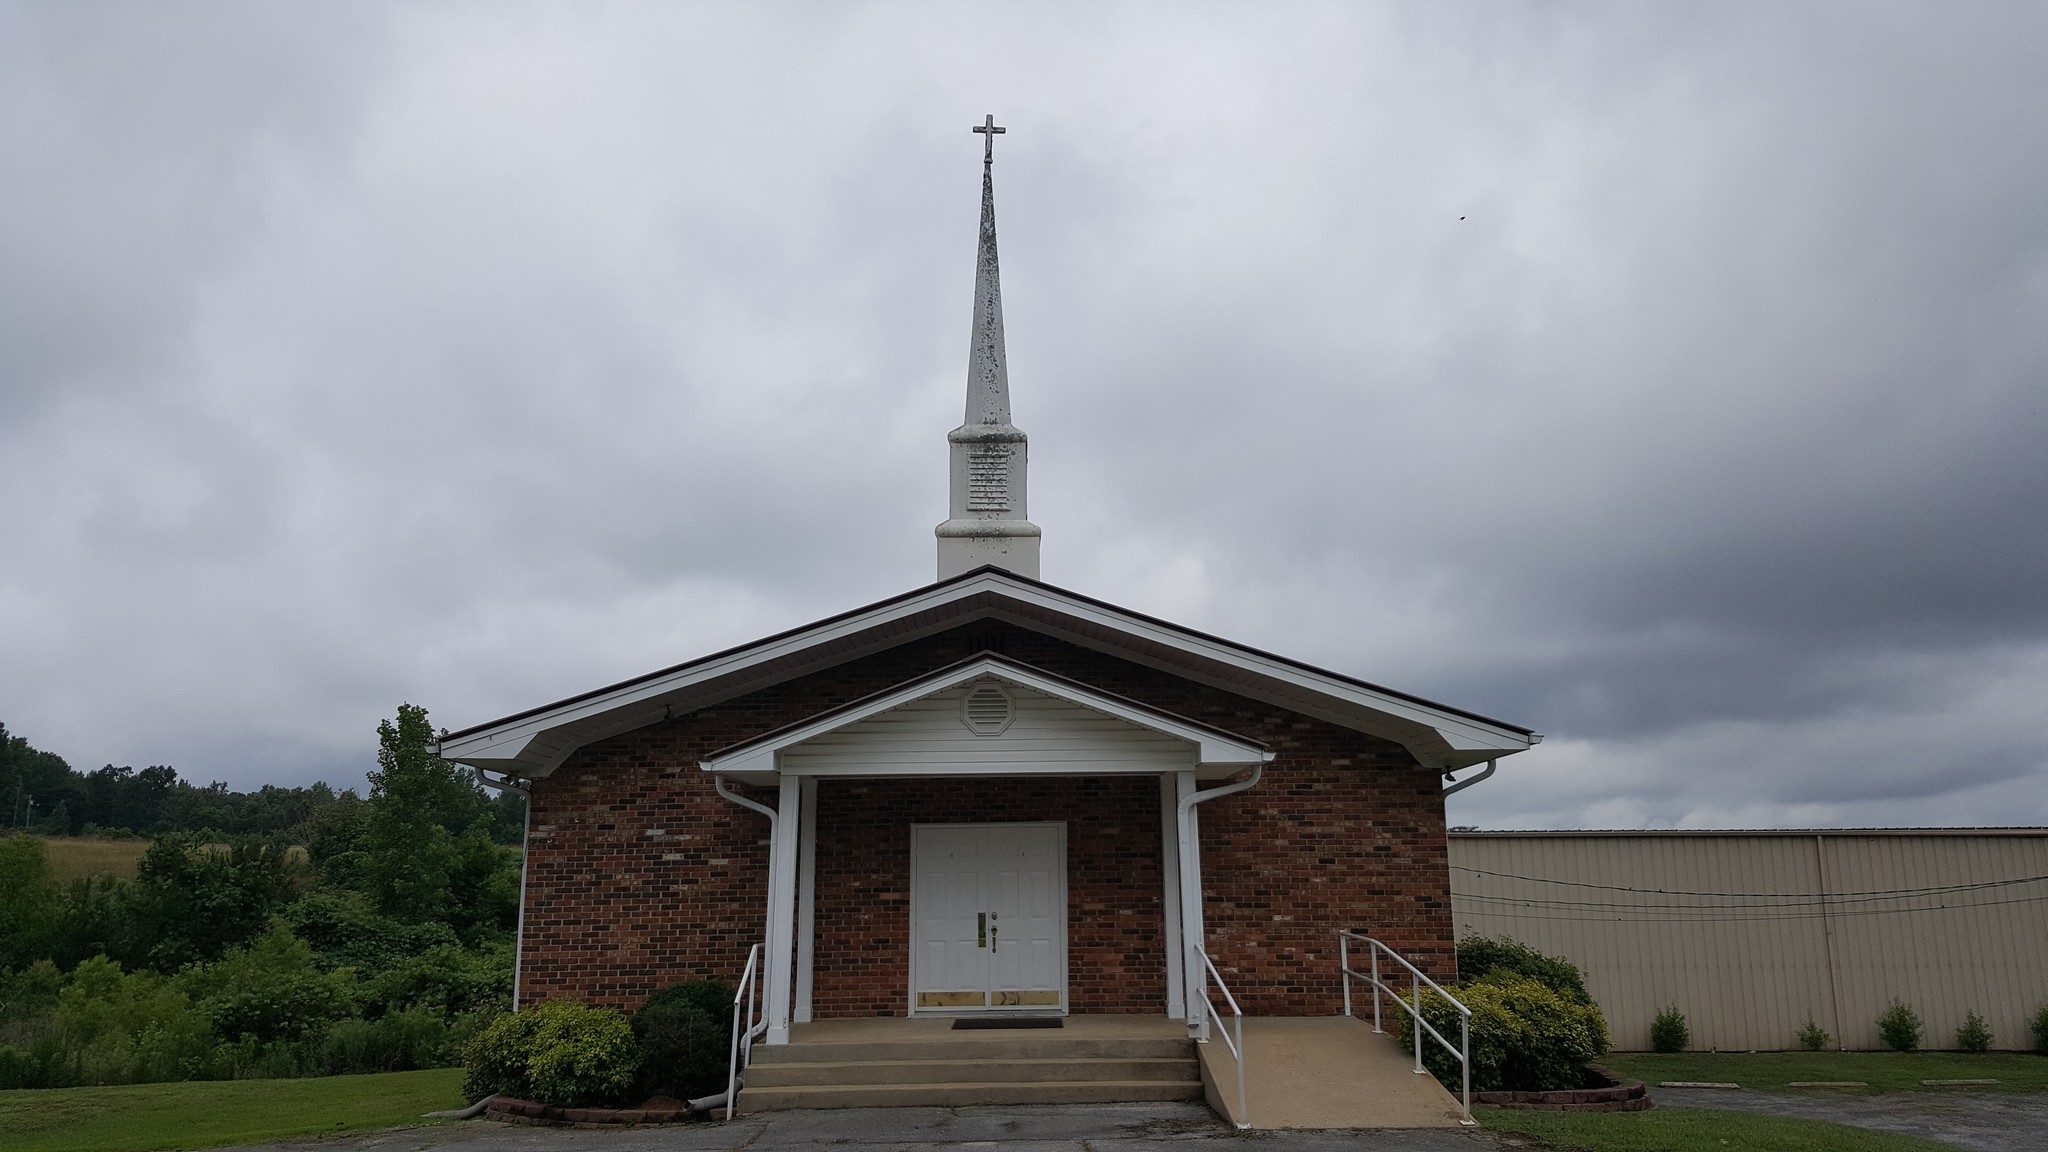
<point x="1753" y="933"/>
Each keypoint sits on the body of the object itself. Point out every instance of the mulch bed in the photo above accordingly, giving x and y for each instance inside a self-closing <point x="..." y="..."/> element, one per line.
<point x="1604" y="1092"/>
<point x="660" y="1110"/>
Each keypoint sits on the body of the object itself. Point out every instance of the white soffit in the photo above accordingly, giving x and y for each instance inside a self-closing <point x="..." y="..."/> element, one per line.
<point x="534" y="743"/>
<point x="758" y="760"/>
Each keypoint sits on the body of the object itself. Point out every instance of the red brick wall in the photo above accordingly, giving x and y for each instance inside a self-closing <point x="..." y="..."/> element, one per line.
<point x="639" y="875"/>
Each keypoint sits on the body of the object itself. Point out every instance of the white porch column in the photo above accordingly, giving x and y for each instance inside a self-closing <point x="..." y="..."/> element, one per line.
<point x="1169" y="904"/>
<point x="1191" y="903"/>
<point x="782" y="875"/>
<point x="806" y="896"/>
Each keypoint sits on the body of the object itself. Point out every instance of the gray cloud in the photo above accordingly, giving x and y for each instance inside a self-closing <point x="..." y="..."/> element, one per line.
<point x="1670" y="379"/>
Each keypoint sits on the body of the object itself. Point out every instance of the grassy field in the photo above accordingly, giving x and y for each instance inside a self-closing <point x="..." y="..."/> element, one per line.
<point x="208" y="1114"/>
<point x="1690" y="1129"/>
<point x="1883" y="1071"/>
<point x="74" y="856"/>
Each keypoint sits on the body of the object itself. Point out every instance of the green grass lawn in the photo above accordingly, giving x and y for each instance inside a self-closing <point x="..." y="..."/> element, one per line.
<point x="1883" y="1071"/>
<point x="211" y="1113"/>
<point x="1687" y="1129"/>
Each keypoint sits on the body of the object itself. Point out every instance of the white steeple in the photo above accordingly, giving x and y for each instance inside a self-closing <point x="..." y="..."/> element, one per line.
<point x="988" y="522"/>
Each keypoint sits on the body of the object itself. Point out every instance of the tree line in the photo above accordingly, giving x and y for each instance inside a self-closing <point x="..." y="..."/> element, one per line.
<point x="285" y="931"/>
<point x="45" y="795"/>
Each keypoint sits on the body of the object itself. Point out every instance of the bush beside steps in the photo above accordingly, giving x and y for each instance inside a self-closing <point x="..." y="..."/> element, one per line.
<point x="565" y="1062"/>
<point x="1534" y="1029"/>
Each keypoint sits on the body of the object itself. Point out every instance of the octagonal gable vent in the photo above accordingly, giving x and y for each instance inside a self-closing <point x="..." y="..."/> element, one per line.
<point x="986" y="709"/>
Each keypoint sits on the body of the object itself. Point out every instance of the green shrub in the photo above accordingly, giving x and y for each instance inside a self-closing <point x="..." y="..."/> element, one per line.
<point x="39" y="1065"/>
<point x="128" y="1027"/>
<point x="1480" y="956"/>
<point x="2041" y="1030"/>
<point x="1813" y="1037"/>
<point x="494" y="1060"/>
<point x="345" y="932"/>
<point x="271" y="990"/>
<point x="684" y="1035"/>
<point x="582" y="1056"/>
<point x="18" y="1069"/>
<point x="31" y="993"/>
<point x="192" y="900"/>
<point x="399" y="1042"/>
<point x="1974" y="1035"/>
<point x="1668" y="1032"/>
<point x="448" y="980"/>
<point x="29" y="901"/>
<point x="1525" y="1036"/>
<point x="1899" y="1027"/>
<point x="559" y="1053"/>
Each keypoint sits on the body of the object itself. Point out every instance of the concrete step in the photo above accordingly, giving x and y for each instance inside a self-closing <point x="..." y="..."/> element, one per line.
<point x="950" y="1071"/>
<point x="965" y="1094"/>
<point x="1001" y="1046"/>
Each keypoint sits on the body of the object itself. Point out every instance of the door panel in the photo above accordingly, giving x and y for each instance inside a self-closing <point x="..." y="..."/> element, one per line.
<point x="946" y="899"/>
<point x="988" y="909"/>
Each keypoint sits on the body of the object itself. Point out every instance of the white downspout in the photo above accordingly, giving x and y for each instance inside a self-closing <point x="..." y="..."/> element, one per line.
<point x="769" y="937"/>
<point x="718" y="782"/>
<point x="525" y="788"/>
<point x="1461" y="785"/>
<point x="1193" y="933"/>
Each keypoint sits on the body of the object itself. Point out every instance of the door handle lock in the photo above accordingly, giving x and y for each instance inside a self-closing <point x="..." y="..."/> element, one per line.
<point x="993" y="928"/>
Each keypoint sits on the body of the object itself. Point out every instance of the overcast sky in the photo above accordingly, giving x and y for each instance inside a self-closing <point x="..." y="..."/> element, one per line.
<point x="1670" y="379"/>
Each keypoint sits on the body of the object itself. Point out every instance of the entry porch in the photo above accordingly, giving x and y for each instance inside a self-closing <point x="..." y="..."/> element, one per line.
<point x="987" y="839"/>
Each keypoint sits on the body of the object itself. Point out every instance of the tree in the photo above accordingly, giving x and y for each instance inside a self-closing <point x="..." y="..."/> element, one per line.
<point x="37" y="786"/>
<point x="426" y="850"/>
<point x="122" y="798"/>
<point x="29" y="905"/>
<point x="192" y="901"/>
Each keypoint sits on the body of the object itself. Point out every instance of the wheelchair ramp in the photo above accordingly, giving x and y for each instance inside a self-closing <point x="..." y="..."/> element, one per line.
<point x="1324" y="1072"/>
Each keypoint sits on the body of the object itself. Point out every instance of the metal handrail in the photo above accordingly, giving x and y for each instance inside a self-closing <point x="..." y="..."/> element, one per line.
<point x="1416" y="979"/>
<point x="745" y="1006"/>
<point x="1236" y="1045"/>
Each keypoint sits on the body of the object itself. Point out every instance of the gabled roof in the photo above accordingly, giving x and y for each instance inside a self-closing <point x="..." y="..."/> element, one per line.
<point x="1211" y="747"/>
<point x="535" y="742"/>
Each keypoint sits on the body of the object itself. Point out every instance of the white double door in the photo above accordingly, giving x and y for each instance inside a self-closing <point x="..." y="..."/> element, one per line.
<point x="988" y="915"/>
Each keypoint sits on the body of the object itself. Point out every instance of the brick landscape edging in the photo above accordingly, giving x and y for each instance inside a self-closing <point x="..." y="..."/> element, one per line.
<point x="529" y="1112"/>
<point x="1618" y="1096"/>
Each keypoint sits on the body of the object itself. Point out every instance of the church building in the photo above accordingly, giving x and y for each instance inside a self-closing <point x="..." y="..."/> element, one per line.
<point x="985" y="797"/>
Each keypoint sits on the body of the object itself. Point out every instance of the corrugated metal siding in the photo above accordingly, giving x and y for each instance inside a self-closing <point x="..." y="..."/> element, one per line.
<point x="1046" y="732"/>
<point x="1753" y="934"/>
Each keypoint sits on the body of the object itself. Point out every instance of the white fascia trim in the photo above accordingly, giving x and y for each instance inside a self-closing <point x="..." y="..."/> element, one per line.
<point x="1457" y="731"/>
<point x="504" y="744"/>
<point x="498" y="740"/>
<point x="1211" y="748"/>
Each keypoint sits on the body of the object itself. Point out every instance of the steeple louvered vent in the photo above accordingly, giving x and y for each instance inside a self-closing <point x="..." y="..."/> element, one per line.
<point x="987" y="709"/>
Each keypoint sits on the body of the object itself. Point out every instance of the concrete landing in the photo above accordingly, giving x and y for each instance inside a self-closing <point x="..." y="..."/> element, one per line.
<point x="1324" y="1072"/>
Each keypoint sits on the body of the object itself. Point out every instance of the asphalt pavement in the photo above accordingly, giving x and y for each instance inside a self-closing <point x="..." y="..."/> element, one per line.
<point x="1160" y="1127"/>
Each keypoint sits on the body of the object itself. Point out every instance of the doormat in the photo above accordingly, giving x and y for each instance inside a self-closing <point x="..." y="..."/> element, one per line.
<point x="966" y="1022"/>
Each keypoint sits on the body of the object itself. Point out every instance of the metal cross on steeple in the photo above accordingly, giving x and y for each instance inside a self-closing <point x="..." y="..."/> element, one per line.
<point x="989" y="130"/>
